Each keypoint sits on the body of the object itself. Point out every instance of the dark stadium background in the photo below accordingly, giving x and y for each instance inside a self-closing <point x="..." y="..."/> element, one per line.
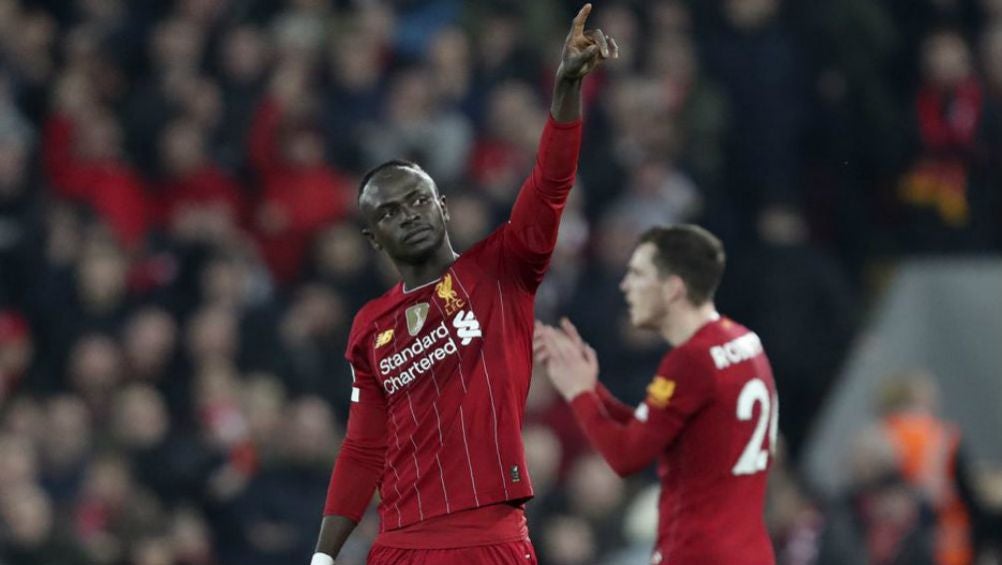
<point x="180" y="258"/>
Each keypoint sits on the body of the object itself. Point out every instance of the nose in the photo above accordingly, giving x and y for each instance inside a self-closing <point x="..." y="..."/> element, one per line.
<point x="410" y="214"/>
<point x="622" y="285"/>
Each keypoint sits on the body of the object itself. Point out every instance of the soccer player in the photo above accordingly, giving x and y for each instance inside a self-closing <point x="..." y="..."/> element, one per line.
<point x="709" y="417"/>
<point x="442" y="361"/>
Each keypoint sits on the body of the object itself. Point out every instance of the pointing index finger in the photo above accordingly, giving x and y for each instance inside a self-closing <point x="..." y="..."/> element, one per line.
<point x="577" y="28"/>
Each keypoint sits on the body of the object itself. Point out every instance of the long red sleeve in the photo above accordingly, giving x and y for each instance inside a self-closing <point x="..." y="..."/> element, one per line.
<point x="617" y="410"/>
<point x="679" y="390"/>
<point x="627" y="447"/>
<point x="360" y="462"/>
<point x="109" y="186"/>
<point x="535" y="217"/>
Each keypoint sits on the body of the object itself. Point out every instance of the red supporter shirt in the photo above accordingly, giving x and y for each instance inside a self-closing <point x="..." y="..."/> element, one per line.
<point x="306" y="198"/>
<point x="206" y="186"/>
<point x="709" y="419"/>
<point x="442" y="371"/>
<point x="109" y="186"/>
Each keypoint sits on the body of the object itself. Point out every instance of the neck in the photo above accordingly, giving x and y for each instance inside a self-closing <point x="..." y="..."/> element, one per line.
<point x="417" y="274"/>
<point x="680" y="325"/>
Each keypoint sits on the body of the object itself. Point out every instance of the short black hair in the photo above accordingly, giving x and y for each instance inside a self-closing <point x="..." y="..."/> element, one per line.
<point x="693" y="254"/>
<point x="391" y="164"/>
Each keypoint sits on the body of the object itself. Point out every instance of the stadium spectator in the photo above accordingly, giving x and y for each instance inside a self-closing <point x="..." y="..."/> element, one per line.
<point x="300" y="193"/>
<point x="879" y="518"/>
<point x="946" y="192"/>
<point x="930" y="458"/>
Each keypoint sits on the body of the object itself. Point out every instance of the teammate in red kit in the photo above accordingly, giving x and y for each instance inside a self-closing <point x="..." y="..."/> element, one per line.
<point x="442" y="361"/>
<point x="709" y="417"/>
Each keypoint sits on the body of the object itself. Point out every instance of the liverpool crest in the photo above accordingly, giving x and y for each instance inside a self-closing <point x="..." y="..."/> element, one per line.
<point x="449" y="296"/>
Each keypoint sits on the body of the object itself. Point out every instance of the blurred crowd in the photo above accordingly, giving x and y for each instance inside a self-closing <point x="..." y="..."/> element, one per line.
<point x="180" y="257"/>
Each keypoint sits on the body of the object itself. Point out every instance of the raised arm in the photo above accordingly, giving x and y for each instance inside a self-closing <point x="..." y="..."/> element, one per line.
<point x="583" y="51"/>
<point x="535" y="217"/>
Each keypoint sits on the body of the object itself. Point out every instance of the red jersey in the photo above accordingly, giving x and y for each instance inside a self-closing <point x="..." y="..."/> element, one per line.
<point x="442" y="371"/>
<point x="709" y="419"/>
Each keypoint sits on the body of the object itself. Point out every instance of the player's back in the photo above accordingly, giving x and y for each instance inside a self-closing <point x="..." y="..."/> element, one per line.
<point x="713" y="475"/>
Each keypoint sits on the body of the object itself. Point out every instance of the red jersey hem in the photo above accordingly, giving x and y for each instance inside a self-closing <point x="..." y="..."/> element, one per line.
<point x="388" y="514"/>
<point x="453" y="545"/>
<point x="486" y="525"/>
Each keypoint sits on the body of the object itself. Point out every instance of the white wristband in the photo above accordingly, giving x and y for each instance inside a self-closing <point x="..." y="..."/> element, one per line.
<point x="322" y="559"/>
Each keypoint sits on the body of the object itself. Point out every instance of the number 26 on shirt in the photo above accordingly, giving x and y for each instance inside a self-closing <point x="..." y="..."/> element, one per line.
<point x="755" y="457"/>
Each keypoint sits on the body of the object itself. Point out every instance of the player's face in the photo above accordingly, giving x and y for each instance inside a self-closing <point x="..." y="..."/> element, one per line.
<point x="644" y="289"/>
<point x="406" y="217"/>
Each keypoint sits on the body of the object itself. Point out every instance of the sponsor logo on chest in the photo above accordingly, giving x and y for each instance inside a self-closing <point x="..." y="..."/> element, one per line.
<point x="428" y="350"/>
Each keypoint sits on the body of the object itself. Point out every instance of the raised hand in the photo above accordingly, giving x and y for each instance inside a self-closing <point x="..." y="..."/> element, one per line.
<point x="585" y="49"/>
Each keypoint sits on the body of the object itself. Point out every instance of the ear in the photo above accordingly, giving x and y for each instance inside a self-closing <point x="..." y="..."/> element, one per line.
<point x="674" y="289"/>
<point x="371" y="237"/>
<point x="445" y="209"/>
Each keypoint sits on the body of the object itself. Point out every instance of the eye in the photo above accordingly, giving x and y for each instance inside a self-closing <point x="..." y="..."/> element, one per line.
<point x="387" y="213"/>
<point x="421" y="200"/>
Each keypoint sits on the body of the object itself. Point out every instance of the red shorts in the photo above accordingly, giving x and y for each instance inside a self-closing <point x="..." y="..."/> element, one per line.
<point x="511" y="553"/>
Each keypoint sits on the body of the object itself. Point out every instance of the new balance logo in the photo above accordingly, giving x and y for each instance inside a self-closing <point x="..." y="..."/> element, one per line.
<point x="384" y="338"/>
<point x="467" y="326"/>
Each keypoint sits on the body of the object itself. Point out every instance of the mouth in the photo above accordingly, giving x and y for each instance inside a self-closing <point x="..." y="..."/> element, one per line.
<point x="417" y="234"/>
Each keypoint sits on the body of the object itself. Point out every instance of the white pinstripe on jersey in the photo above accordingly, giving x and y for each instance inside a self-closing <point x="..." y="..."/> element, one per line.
<point x="490" y="388"/>
<point x="417" y="468"/>
<point x="462" y="381"/>
<point x="396" y="434"/>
